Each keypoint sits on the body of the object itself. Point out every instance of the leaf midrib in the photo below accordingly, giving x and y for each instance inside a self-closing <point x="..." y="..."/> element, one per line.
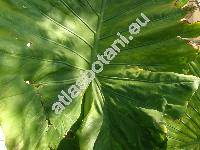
<point x="98" y="31"/>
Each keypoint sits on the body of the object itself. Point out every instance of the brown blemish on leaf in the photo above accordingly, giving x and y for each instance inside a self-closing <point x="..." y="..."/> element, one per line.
<point x="195" y="42"/>
<point x="194" y="15"/>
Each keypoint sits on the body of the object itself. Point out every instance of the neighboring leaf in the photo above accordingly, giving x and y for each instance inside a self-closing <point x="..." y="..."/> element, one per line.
<point x="184" y="134"/>
<point x="44" y="46"/>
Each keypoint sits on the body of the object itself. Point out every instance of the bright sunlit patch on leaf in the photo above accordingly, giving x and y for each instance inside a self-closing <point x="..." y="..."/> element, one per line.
<point x="27" y="82"/>
<point x="29" y="44"/>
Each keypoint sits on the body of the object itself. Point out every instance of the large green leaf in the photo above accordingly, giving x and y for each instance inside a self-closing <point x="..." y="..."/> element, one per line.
<point x="48" y="43"/>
